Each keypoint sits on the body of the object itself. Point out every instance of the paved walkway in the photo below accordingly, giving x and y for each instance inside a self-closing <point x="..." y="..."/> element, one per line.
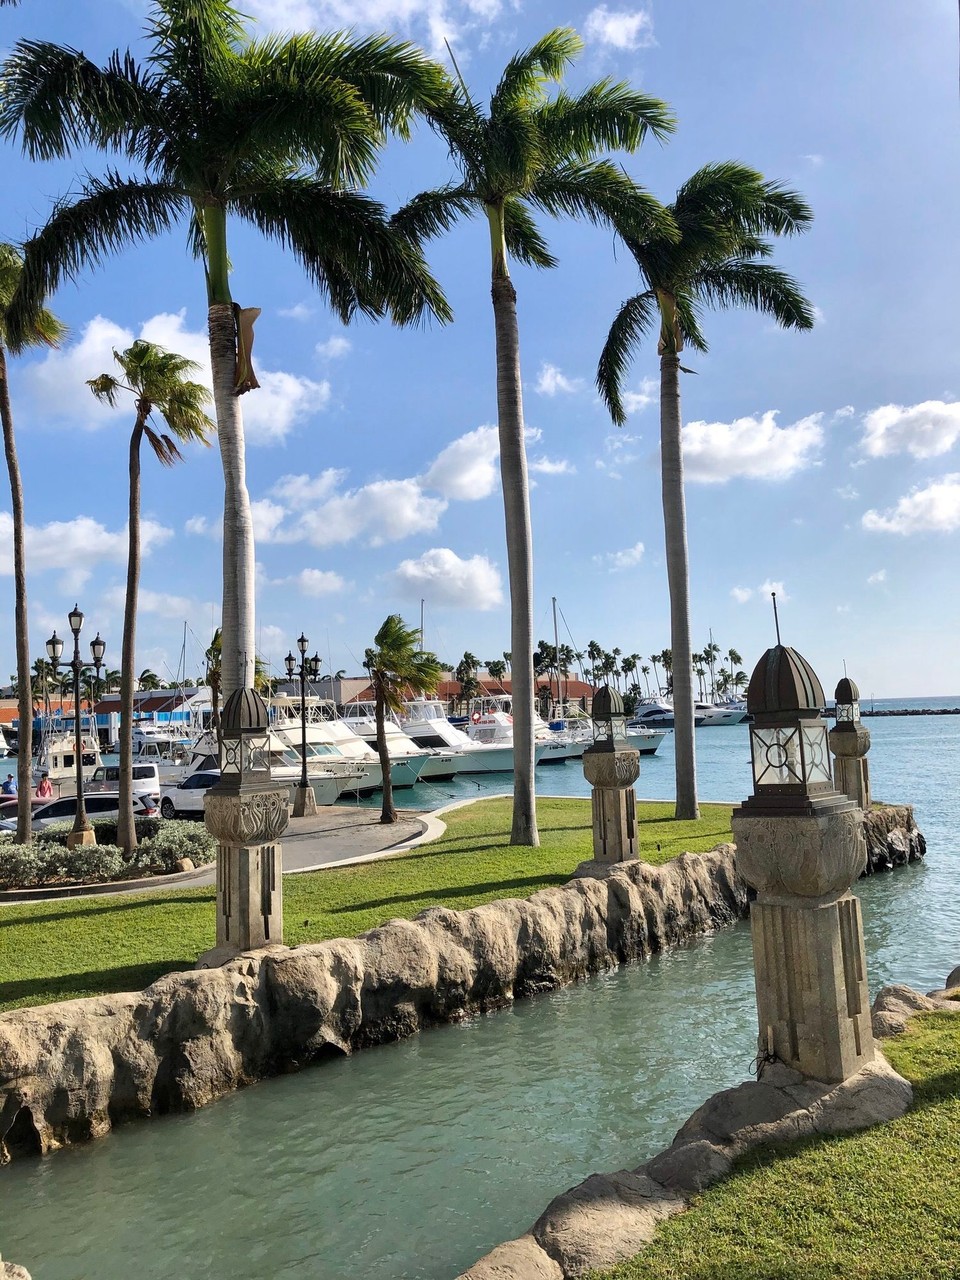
<point x="335" y="836"/>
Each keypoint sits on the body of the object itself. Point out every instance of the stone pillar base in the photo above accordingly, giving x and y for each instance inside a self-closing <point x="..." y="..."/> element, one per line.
<point x="304" y="802"/>
<point x="81" y="837"/>
<point x="614" y="824"/>
<point x="249" y="896"/>
<point x="852" y="777"/>
<point x="812" y="997"/>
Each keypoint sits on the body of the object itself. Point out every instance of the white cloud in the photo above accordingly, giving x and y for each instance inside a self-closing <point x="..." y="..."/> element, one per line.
<point x="741" y="594"/>
<point x="878" y="577"/>
<point x="619" y="454"/>
<point x="620" y="28"/>
<point x="551" y="381"/>
<point x="267" y="520"/>
<point x="553" y="467"/>
<point x="934" y="509"/>
<point x="441" y="577"/>
<point x="818" y="315"/>
<point x="635" y="401"/>
<point x="199" y="525"/>
<point x="431" y="21"/>
<point x="77" y="544"/>
<point x="617" y="560"/>
<point x="335" y="347"/>
<point x="299" y="311"/>
<point x="384" y="511"/>
<point x="813" y="160"/>
<point x="767" y="588"/>
<point x="314" y="582"/>
<point x="846" y="412"/>
<point x="159" y="602"/>
<point x="57" y="383"/>
<point x="924" y="430"/>
<point x="306" y="491"/>
<point x="847" y="492"/>
<point x="755" y="448"/>
<point x="466" y="468"/>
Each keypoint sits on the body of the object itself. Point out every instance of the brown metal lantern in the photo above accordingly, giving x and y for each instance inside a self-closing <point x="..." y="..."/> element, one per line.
<point x="609" y="720"/>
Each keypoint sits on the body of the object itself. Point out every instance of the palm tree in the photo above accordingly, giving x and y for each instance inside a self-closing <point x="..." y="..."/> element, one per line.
<point x="148" y="680"/>
<point x="496" y="670"/>
<point x="531" y="152"/>
<point x="398" y="668"/>
<point x="655" y="658"/>
<point x="594" y="653"/>
<point x="43" y="329"/>
<point x="159" y="383"/>
<point x="722" y="214"/>
<point x="276" y="132"/>
<point x="645" y="672"/>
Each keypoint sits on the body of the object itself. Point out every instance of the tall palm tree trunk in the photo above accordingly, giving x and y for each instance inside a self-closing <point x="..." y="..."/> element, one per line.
<point x="238" y="621"/>
<point x="388" y="812"/>
<point x="126" y="825"/>
<point x="24" y="687"/>
<point x="516" y="507"/>
<point x="675" y="527"/>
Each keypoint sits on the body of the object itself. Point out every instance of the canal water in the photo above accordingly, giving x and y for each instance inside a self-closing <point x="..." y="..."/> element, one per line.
<point x="413" y="1159"/>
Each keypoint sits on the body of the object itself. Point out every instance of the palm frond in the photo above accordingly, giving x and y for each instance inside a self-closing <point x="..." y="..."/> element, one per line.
<point x="607" y="115"/>
<point x="431" y="212"/>
<point x="44" y="329"/>
<point x="106" y="388"/>
<point x="111" y="213"/>
<point x="757" y="285"/>
<point x="524" y="242"/>
<point x="57" y="99"/>
<point x="602" y="193"/>
<point x="733" y="197"/>
<point x="632" y="323"/>
<point x="164" y="447"/>
<point x="345" y="243"/>
<point x="526" y="72"/>
<point x="688" y="318"/>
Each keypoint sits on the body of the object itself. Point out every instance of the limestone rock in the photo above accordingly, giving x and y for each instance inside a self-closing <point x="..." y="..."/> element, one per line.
<point x="896" y="1005"/>
<point x="688" y="1167"/>
<point x="953" y="980"/>
<point x="184" y="864"/>
<point x="70" y="1071"/>
<point x="10" y="1271"/>
<point x="892" y="837"/>
<point x="521" y="1259"/>
<point x="606" y="1218"/>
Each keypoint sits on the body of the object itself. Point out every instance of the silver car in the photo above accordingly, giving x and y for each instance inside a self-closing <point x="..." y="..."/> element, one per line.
<point x="104" y="804"/>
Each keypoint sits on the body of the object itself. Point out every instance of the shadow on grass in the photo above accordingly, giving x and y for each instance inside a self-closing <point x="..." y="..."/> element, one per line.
<point x="97" y="982"/>
<point x="108" y="906"/>
<point x="528" y="884"/>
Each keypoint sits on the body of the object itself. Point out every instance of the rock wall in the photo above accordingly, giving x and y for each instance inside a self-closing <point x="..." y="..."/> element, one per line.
<point x="10" y="1271"/>
<point x="71" y="1071"/>
<point x="892" y="837"/>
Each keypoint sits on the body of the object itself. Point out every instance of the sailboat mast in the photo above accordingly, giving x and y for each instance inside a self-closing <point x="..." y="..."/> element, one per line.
<point x="556" y="652"/>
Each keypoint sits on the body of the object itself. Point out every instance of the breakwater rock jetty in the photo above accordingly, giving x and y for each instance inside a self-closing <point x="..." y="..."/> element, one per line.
<point x="892" y="837"/>
<point x="71" y="1071"/>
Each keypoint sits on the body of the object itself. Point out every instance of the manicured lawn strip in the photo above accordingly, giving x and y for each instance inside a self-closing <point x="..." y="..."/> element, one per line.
<point x="59" y="950"/>
<point x="879" y="1205"/>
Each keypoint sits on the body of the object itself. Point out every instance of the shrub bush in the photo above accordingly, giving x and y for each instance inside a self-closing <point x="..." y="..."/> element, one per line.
<point x="175" y="840"/>
<point x="162" y="845"/>
<point x="23" y="866"/>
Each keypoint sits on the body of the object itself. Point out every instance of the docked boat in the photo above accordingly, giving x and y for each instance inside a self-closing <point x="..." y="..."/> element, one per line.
<point x="330" y="739"/>
<point x="576" y="724"/>
<point x="656" y="713"/>
<point x="56" y="755"/>
<point x="720" y="713"/>
<point x="436" y="764"/>
<point x="328" y="782"/>
<point x="491" y="721"/>
<point x="424" y="721"/>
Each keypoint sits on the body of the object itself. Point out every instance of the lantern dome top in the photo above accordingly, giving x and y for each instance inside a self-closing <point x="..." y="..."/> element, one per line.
<point x="607" y="703"/>
<point x="783" y="681"/>
<point x="847" y="691"/>
<point x="244" y="711"/>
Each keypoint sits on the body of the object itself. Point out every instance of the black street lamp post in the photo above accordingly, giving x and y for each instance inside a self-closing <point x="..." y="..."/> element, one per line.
<point x="304" y="801"/>
<point x="82" y="832"/>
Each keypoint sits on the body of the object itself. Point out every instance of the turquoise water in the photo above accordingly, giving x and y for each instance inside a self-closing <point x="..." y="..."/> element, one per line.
<point x="411" y="1160"/>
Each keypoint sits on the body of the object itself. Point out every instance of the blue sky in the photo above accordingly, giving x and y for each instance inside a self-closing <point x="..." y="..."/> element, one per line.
<point x="824" y="465"/>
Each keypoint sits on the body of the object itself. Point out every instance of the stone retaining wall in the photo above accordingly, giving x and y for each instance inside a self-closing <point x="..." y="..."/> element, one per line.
<point x="71" y="1071"/>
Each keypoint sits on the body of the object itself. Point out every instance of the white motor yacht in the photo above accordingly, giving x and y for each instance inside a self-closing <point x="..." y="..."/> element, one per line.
<point x="491" y="721"/>
<point x="435" y="763"/>
<point x="424" y="720"/>
<point x="328" y="735"/>
<point x="577" y="724"/>
<point x="718" y="713"/>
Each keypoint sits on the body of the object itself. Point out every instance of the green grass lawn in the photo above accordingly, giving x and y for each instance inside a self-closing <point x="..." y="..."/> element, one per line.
<point x="879" y="1205"/>
<point x="58" y="950"/>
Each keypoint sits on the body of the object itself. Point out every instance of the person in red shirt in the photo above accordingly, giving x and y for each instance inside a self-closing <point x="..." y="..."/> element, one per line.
<point x="44" y="789"/>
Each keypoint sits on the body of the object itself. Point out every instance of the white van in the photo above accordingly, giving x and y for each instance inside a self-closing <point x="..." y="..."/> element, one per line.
<point x="146" y="780"/>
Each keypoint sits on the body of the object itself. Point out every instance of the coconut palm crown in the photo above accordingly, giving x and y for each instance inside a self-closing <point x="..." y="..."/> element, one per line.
<point x="531" y="152"/>
<point x="276" y="131"/>
<point x="722" y="215"/>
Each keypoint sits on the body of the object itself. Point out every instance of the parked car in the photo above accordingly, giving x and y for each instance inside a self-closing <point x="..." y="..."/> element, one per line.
<point x="187" y="796"/>
<point x="146" y="780"/>
<point x="103" y="804"/>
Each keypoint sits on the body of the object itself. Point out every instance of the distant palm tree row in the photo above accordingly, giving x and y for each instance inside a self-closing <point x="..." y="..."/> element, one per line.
<point x="284" y="133"/>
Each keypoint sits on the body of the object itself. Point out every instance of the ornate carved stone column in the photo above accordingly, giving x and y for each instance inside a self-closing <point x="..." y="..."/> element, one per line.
<point x="612" y="774"/>
<point x="800" y="844"/>
<point x="850" y="742"/>
<point x="247" y="813"/>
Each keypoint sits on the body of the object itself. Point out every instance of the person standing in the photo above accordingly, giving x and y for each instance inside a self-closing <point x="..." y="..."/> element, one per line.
<point x="9" y="788"/>
<point x="44" y="788"/>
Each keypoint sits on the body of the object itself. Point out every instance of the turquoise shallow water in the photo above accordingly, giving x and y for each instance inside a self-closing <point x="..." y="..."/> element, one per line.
<point x="412" y="1159"/>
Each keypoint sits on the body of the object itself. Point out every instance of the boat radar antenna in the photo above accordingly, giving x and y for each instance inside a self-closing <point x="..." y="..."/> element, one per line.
<point x="776" y="620"/>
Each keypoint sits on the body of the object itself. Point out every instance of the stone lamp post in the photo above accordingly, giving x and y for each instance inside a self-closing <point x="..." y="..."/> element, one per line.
<point x="850" y="742"/>
<point x="611" y="767"/>
<point x="800" y="844"/>
<point x="247" y="812"/>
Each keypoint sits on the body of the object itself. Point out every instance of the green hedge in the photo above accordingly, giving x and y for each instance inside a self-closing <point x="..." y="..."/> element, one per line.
<point x="47" y="860"/>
